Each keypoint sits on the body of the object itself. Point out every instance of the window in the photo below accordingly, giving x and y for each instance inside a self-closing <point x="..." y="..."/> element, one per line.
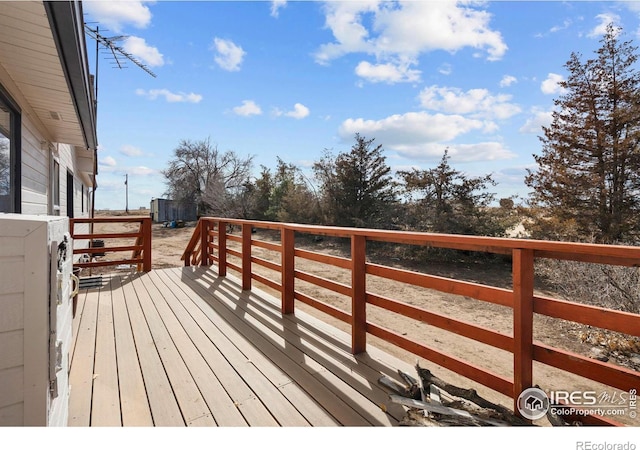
<point x="9" y="155"/>
<point x="82" y="197"/>
<point x="55" y="188"/>
<point x="71" y="191"/>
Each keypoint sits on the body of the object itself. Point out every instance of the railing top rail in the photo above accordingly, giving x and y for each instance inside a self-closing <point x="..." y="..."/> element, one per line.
<point x="115" y="219"/>
<point x="459" y="242"/>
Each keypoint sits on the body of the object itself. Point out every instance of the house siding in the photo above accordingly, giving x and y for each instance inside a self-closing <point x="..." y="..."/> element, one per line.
<point x="11" y="331"/>
<point x="42" y="69"/>
<point x="35" y="170"/>
<point x="36" y="185"/>
<point x="36" y="157"/>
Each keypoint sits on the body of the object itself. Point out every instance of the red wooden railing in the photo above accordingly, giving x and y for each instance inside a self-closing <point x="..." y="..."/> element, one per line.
<point x="209" y="244"/>
<point x="140" y="249"/>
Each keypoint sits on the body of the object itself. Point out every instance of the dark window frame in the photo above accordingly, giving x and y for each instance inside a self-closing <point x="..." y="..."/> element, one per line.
<point x="15" y="148"/>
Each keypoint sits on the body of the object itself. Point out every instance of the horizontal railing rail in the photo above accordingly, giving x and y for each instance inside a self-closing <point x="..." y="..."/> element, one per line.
<point x="140" y="248"/>
<point x="210" y="243"/>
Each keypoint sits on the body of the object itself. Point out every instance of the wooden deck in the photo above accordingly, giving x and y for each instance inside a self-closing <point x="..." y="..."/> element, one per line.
<point x="184" y="347"/>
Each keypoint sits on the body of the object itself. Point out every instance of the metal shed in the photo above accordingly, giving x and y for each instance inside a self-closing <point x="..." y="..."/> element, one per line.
<point x="166" y="210"/>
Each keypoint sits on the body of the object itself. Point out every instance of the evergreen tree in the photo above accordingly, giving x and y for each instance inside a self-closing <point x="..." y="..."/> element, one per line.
<point x="588" y="178"/>
<point x="284" y="196"/>
<point x="261" y="194"/>
<point x="356" y="186"/>
<point x="445" y="200"/>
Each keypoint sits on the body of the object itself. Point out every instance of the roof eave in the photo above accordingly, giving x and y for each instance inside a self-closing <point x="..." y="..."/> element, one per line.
<point x="67" y="27"/>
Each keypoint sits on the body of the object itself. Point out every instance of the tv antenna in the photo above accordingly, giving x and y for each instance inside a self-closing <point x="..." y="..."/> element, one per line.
<point x="117" y="51"/>
<point x="118" y="55"/>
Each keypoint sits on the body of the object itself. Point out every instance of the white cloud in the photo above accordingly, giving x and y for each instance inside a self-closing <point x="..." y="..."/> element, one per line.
<point x="481" y="151"/>
<point x="299" y="111"/>
<point x="433" y="151"/>
<point x="534" y="124"/>
<point x="411" y="128"/>
<point x="424" y="136"/>
<point x="142" y="171"/>
<point x="566" y="24"/>
<point x="229" y="56"/>
<point x="248" y="108"/>
<point x="114" y="15"/>
<point x="388" y="73"/>
<point x="130" y="150"/>
<point x="478" y="103"/>
<point x="551" y="84"/>
<point x="403" y="30"/>
<point x="147" y="54"/>
<point x="108" y="161"/>
<point x="169" y="96"/>
<point x="276" y="6"/>
<point x="605" y="19"/>
<point x="508" y="80"/>
<point x="445" y="69"/>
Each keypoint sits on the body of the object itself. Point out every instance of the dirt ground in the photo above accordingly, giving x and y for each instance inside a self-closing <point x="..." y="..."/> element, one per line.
<point x="169" y="243"/>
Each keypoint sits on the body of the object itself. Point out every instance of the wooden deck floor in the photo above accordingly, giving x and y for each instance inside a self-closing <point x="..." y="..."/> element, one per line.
<point x="183" y="347"/>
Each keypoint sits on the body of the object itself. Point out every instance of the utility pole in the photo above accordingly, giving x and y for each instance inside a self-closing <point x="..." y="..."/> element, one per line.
<point x="126" y="186"/>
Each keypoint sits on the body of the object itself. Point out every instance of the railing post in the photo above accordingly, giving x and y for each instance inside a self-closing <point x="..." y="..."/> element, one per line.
<point x="187" y="259"/>
<point x="204" y="242"/>
<point x="287" y="239"/>
<point x="222" y="249"/>
<point x="246" y="256"/>
<point x="358" y="295"/>
<point x="522" y="322"/>
<point x="146" y="244"/>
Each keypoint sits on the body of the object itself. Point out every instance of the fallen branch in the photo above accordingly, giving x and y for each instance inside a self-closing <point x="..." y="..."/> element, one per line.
<point x="447" y="411"/>
<point x="468" y="394"/>
<point x="396" y="387"/>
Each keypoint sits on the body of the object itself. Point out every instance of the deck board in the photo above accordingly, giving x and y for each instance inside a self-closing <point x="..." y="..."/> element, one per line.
<point x="219" y="403"/>
<point x="133" y="396"/>
<point x="162" y="401"/>
<point x="185" y="347"/>
<point x="105" y="405"/>
<point x="209" y="342"/>
<point x="281" y="402"/>
<point x="335" y="367"/>
<point x="188" y="396"/>
<point x="81" y="375"/>
<point x="280" y="353"/>
<point x="259" y="388"/>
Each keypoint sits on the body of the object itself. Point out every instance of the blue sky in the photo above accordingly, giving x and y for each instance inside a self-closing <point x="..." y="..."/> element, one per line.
<point x="291" y="79"/>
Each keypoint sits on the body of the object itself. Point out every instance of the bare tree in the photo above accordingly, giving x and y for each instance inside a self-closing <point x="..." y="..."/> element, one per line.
<point x="201" y="174"/>
<point x="595" y="284"/>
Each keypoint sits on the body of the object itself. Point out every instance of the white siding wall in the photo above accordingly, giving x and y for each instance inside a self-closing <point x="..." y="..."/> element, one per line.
<point x="24" y="322"/>
<point x="35" y="170"/>
<point x="15" y="394"/>
<point x="11" y="332"/>
<point x="36" y="162"/>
